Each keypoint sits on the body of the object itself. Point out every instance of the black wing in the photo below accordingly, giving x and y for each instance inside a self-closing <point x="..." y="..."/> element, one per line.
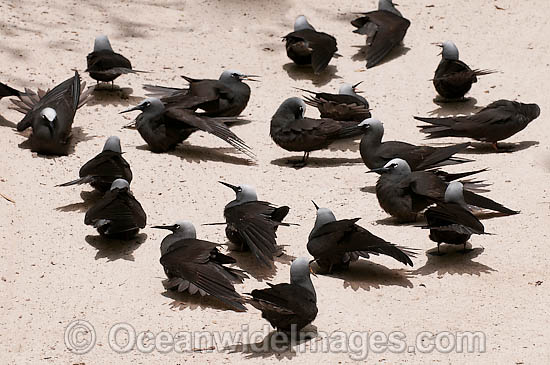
<point x="119" y="206"/>
<point x="211" y="126"/>
<point x="384" y="31"/>
<point x="344" y="236"/>
<point x="192" y="260"/>
<point x="254" y="222"/>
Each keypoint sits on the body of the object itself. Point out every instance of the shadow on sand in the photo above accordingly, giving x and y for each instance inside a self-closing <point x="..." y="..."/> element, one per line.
<point x="454" y="261"/>
<point x="296" y="73"/>
<point x="114" y="249"/>
<point x="275" y="344"/>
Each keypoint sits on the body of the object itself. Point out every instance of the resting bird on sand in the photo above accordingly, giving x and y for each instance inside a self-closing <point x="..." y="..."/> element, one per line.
<point x="306" y="46"/>
<point x="497" y="121"/>
<point x="195" y="265"/>
<point x="336" y="243"/>
<point x="289" y="307"/>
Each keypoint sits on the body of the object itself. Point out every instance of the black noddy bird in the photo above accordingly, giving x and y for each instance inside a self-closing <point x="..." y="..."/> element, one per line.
<point x="291" y="131"/>
<point x="336" y="243"/>
<point x="403" y="193"/>
<point x="252" y="224"/>
<point x="376" y="154"/>
<point x="346" y="105"/>
<point x="226" y="97"/>
<point x="195" y="265"/>
<point x="289" y="307"/>
<point x="6" y="90"/>
<point x="306" y="46"/>
<point x="453" y="78"/>
<point x="118" y="214"/>
<point x="385" y="28"/>
<point x="163" y="128"/>
<point x="451" y="221"/>
<point x="106" y="65"/>
<point x="51" y="114"/>
<point x="104" y="168"/>
<point x="497" y="121"/>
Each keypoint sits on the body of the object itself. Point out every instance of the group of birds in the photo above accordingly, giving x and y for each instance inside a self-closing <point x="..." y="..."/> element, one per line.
<point x="411" y="182"/>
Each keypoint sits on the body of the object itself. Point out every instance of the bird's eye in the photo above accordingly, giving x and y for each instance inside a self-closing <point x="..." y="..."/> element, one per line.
<point x="393" y="165"/>
<point x="239" y="190"/>
<point x="148" y="104"/>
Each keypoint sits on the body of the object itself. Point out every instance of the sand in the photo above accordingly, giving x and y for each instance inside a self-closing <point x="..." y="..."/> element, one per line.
<point x="55" y="269"/>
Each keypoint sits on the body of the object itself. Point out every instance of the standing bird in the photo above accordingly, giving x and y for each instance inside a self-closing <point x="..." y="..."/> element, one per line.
<point x="252" y="224"/>
<point x="291" y="131"/>
<point x="197" y="266"/>
<point x="335" y="243"/>
<point x="385" y="28"/>
<point x="118" y="214"/>
<point x="376" y="154"/>
<point x="106" y="167"/>
<point x="51" y="115"/>
<point x="453" y="78"/>
<point x="5" y="90"/>
<point x="497" y="121"/>
<point x="163" y="128"/>
<point x="403" y="193"/>
<point x="106" y="65"/>
<point x="226" y="97"/>
<point x="451" y="221"/>
<point x="288" y="307"/>
<point x="346" y="105"/>
<point x="306" y="46"/>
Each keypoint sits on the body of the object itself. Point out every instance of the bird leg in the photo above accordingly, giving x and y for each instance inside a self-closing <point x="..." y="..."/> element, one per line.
<point x="300" y="163"/>
<point x="113" y="85"/>
<point x="464" y="251"/>
<point x="495" y="146"/>
<point x="438" y="253"/>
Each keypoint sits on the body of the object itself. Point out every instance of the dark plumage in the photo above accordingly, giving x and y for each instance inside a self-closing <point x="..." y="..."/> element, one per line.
<point x="195" y="265"/>
<point x="376" y="154"/>
<point x="51" y="115"/>
<point x="453" y="78"/>
<point x="385" y="28"/>
<point x="252" y="224"/>
<point x="106" y="167"/>
<point x="497" y="121"/>
<point x="306" y="46"/>
<point x="118" y="214"/>
<point x="403" y="194"/>
<point x="346" y="105"/>
<point x="106" y="65"/>
<point x="163" y="128"/>
<point x="291" y="131"/>
<point x="451" y="221"/>
<point x="226" y="97"/>
<point x="288" y="307"/>
<point x="336" y="243"/>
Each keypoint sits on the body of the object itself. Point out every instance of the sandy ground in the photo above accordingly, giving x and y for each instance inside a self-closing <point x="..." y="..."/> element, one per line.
<point x="56" y="270"/>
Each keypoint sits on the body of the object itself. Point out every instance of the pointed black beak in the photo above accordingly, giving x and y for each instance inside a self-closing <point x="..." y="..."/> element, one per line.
<point x="131" y="109"/>
<point x="316" y="207"/>
<point x="172" y="228"/>
<point x="235" y="188"/>
<point x="359" y="83"/>
<point x="380" y="170"/>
